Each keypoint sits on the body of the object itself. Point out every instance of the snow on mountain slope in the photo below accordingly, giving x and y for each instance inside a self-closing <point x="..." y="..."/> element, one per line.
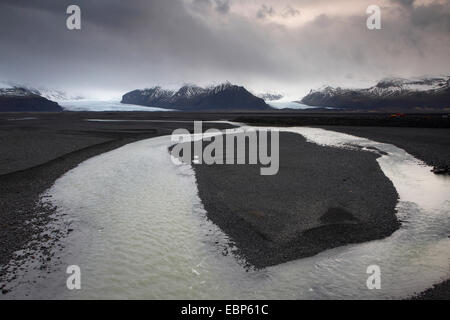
<point x="57" y="95"/>
<point x="13" y="89"/>
<point x="16" y="92"/>
<point x="390" y="93"/>
<point x="18" y="99"/>
<point x="189" y="91"/>
<point x="225" y="96"/>
<point x="157" y="93"/>
<point x="391" y="86"/>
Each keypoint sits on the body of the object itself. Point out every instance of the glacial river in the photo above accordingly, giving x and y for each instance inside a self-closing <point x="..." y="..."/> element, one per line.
<point x="140" y="232"/>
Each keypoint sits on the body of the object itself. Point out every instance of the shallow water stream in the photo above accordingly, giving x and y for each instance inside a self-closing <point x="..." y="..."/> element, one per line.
<point x="141" y="232"/>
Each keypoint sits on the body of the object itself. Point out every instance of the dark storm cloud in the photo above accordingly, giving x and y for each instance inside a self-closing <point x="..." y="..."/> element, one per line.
<point x="111" y="13"/>
<point x="129" y="44"/>
<point x="202" y="3"/>
<point x="223" y="6"/>
<point x="290" y="12"/>
<point x="407" y="3"/>
<point x="433" y="16"/>
<point x="265" y="11"/>
<point x="117" y="41"/>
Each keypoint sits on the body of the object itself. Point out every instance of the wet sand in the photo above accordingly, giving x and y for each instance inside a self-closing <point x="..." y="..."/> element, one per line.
<point x="425" y="136"/>
<point x="431" y="145"/>
<point x="321" y="198"/>
<point x="438" y="292"/>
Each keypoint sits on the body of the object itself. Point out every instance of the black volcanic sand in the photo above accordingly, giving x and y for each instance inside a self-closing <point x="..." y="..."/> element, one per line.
<point x="330" y="118"/>
<point x="425" y="136"/>
<point x="322" y="197"/>
<point x="431" y="145"/>
<point x="438" y="292"/>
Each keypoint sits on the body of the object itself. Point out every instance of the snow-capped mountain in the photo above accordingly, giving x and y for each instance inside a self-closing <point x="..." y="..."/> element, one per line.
<point x="389" y="93"/>
<point x="157" y="93"/>
<point x="189" y="91"/>
<point x="395" y="86"/>
<point x="225" y="96"/>
<point x="16" y="92"/>
<point x="221" y="88"/>
<point x="53" y="95"/>
<point x="20" y="99"/>
<point x="57" y="95"/>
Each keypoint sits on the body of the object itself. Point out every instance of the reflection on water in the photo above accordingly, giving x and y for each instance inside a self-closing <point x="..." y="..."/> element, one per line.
<point x="143" y="233"/>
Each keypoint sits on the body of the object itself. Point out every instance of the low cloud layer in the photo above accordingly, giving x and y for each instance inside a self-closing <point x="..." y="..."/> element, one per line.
<point x="288" y="46"/>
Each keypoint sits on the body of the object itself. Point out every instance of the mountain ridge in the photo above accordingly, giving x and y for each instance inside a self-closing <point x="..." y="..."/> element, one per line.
<point x="189" y="97"/>
<point x="21" y="99"/>
<point x="388" y="93"/>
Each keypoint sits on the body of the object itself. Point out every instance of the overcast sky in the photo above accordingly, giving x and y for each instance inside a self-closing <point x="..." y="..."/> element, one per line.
<point x="287" y="46"/>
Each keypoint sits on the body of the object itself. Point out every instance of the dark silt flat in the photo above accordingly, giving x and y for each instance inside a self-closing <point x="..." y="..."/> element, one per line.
<point x="321" y="198"/>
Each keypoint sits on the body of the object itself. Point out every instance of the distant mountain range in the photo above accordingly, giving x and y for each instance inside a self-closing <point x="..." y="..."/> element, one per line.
<point x="224" y="97"/>
<point x="388" y="94"/>
<point x="19" y="99"/>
